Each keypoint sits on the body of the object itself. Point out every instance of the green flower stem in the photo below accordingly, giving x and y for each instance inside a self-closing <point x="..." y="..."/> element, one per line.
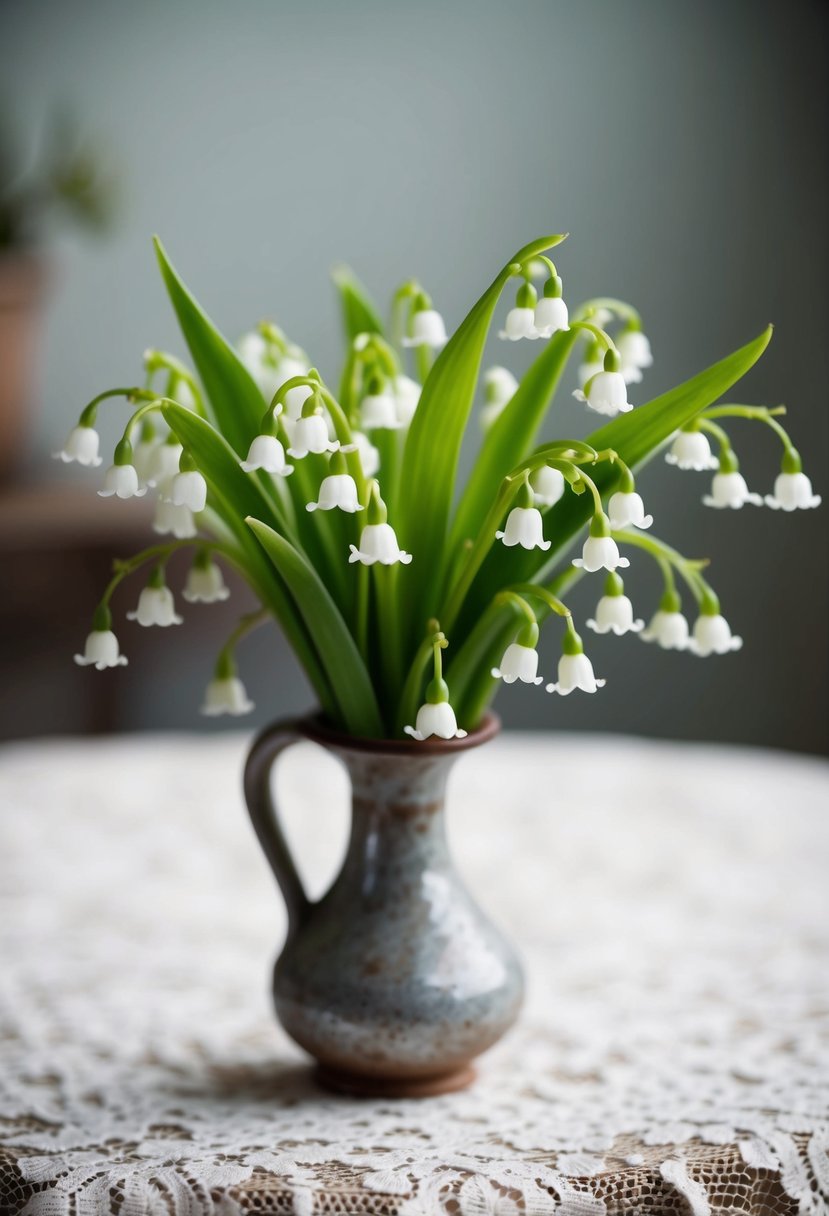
<point x="754" y="413"/>
<point x="719" y="434"/>
<point x="515" y="599"/>
<point x="604" y="339"/>
<point x="412" y="694"/>
<point x="620" y="307"/>
<point x="551" y="601"/>
<point x="247" y="623"/>
<point x="480" y="547"/>
<point x="160" y="554"/>
<point x="134" y="393"/>
<point x="157" y="360"/>
<point x="149" y="407"/>
<point x="666" y="556"/>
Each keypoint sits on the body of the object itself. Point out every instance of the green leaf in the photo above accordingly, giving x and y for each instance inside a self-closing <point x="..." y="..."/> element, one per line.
<point x="358" y="712"/>
<point x="511" y="436"/>
<point x="235" y="400"/>
<point x="358" y="311"/>
<point x="237" y="495"/>
<point x="434" y="442"/>
<point x="635" y="436"/>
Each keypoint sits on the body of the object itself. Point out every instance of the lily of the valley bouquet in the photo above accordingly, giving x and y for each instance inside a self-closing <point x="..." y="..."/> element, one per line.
<point x="337" y="500"/>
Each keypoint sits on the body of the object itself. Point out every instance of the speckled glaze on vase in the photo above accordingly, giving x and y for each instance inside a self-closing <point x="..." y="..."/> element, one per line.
<point x="394" y="980"/>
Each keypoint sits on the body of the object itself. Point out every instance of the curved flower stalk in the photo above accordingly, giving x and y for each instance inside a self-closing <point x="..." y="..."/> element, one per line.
<point x="436" y="716"/>
<point x="321" y="499"/>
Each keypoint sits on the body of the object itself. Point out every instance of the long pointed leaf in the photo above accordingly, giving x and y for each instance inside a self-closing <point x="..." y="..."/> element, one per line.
<point x="434" y="440"/>
<point x="358" y="711"/>
<point x="358" y="311"/>
<point x="234" y="398"/>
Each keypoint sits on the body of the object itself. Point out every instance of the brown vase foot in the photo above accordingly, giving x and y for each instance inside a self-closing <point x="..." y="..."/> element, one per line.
<point x="394" y="1087"/>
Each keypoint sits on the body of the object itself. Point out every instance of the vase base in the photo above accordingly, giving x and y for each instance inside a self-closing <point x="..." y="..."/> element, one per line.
<point x="394" y="1087"/>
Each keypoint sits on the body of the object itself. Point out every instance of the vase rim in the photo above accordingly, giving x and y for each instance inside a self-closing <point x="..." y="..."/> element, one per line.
<point x="315" y="728"/>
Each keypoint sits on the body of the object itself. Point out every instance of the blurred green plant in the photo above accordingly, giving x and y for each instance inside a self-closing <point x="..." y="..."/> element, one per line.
<point x="66" y="178"/>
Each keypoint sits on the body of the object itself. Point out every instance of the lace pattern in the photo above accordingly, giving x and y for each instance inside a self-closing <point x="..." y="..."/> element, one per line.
<point x="672" y="906"/>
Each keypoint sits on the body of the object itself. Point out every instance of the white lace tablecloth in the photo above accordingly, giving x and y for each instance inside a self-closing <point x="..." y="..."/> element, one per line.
<point x="672" y="904"/>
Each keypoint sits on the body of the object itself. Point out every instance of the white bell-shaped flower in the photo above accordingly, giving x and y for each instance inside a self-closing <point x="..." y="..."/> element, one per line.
<point x="406" y="398"/>
<point x="520" y="661"/>
<point x="101" y="649"/>
<point x="614" y="611"/>
<point x="499" y="388"/>
<point x="524" y="527"/>
<point x="792" y="488"/>
<point x="311" y="433"/>
<point x="600" y="551"/>
<point x="378" y="542"/>
<point x="551" y="312"/>
<point x="691" y="450"/>
<point x="436" y="716"/>
<point x="226" y="696"/>
<point x="635" y="352"/>
<point x="438" y="719"/>
<point x="81" y="447"/>
<point x="626" y="509"/>
<point x="121" y="477"/>
<point x="156" y="605"/>
<point x="205" y="582"/>
<point x="520" y="322"/>
<point x="338" y="489"/>
<point x="712" y="635"/>
<point x="267" y="453"/>
<point x="668" y="627"/>
<point x="172" y="520"/>
<point x="428" y="329"/>
<point x="144" y="453"/>
<point x="574" y="668"/>
<point x="165" y="466"/>
<point x="189" y="488"/>
<point x="368" y="453"/>
<point x="547" y="485"/>
<point x="378" y="410"/>
<point x="729" y="490"/>
<point x="606" y="393"/>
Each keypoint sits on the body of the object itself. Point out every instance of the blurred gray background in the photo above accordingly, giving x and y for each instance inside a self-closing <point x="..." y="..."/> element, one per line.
<point x="683" y="147"/>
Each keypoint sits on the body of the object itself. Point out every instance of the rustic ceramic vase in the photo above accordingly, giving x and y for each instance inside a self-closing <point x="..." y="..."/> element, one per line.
<point x="394" y="980"/>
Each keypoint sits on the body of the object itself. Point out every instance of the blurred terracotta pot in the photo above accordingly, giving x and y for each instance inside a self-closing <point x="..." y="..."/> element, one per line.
<point x="23" y="278"/>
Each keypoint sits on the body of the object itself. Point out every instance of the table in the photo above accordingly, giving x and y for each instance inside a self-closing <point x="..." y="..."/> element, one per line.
<point x="672" y="905"/>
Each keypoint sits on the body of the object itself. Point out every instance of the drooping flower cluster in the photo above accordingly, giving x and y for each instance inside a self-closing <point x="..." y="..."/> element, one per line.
<point x="311" y="495"/>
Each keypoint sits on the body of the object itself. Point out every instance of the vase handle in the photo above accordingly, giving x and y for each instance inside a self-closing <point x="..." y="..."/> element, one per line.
<point x="264" y="814"/>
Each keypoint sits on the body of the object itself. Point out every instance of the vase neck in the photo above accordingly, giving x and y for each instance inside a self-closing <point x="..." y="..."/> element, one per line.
<point x="397" y="814"/>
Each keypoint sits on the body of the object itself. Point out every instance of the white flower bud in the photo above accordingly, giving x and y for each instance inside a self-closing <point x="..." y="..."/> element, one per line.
<point x="406" y="398"/>
<point x="311" y="435"/>
<point x="519" y="663"/>
<point x="226" y="696"/>
<point x="600" y="553"/>
<point x="338" y="490"/>
<point x="575" y="671"/>
<point x="378" y="543"/>
<point x="156" y="606"/>
<point x="524" y="527"/>
<point x="550" y="316"/>
<point x="189" y="489"/>
<point x="606" y="393"/>
<point x="668" y="629"/>
<point x="627" y="510"/>
<point x="122" y="480"/>
<point x="547" y="485"/>
<point x="614" y="614"/>
<point x="712" y="635"/>
<point x="691" y="450"/>
<point x="205" y="584"/>
<point x="81" y="447"/>
<point x="730" y="490"/>
<point x="792" y="492"/>
<point x="101" y="651"/>
<point x="635" y="352"/>
<point x="267" y="453"/>
<point x="428" y="329"/>
<point x="437" y="720"/>
<point x="172" y="520"/>
<point x="520" y="323"/>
